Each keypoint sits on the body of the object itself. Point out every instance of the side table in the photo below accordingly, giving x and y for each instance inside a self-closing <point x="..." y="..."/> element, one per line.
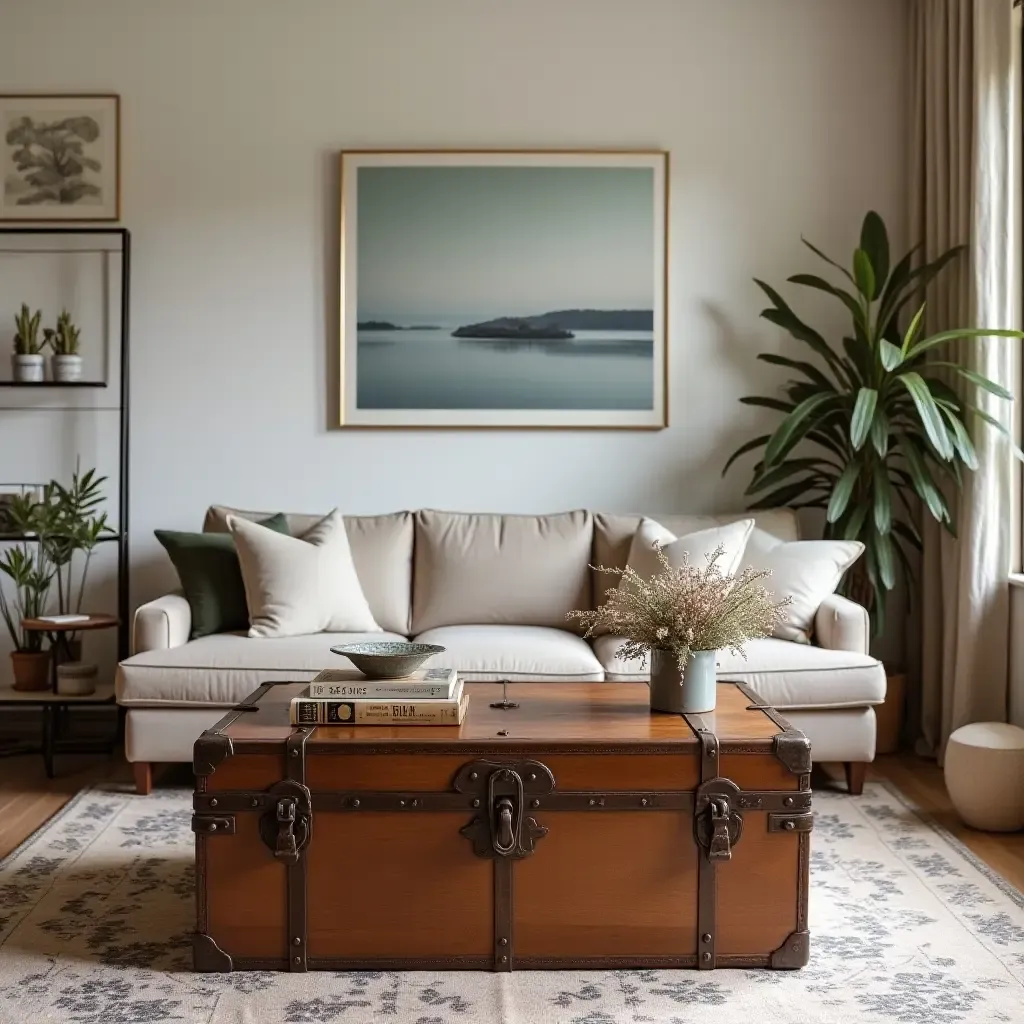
<point x="54" y="704"/>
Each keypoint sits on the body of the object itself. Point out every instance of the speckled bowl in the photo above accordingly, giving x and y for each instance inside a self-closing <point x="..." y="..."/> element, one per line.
<point x="387" y="659"/>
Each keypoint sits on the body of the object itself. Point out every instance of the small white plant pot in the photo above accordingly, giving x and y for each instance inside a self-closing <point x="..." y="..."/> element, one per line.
<point x="66" y="369"/>
<point x="27" y="369"/>
<point x="76" y="678"/>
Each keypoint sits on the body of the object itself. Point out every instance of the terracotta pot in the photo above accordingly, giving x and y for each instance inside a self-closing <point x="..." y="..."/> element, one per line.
<point x="890" y="715"/>
<point x="31" y="670"/>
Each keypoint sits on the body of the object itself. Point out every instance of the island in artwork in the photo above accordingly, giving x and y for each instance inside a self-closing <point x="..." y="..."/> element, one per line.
<point x="559" y="325"/>
<point x="386" y="325"/>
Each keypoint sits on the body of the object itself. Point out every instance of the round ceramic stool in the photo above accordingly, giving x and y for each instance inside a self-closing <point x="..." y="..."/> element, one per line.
<point x="985" y="775"/>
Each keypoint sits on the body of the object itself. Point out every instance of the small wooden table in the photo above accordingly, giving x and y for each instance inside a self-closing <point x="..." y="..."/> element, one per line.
<point x="54" y="703"/>
<point x="574" y="828"/>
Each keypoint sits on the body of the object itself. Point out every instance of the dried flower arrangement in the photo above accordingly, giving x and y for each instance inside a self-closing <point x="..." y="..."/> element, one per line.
<point x="686" y="609"/>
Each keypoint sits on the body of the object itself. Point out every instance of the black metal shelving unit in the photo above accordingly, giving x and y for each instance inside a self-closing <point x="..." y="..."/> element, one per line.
<point x="52" y="706"/>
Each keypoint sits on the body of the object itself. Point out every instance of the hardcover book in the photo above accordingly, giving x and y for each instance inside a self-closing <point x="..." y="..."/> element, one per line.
<point x="431" y="683"/>
<point x="313" y="711"/>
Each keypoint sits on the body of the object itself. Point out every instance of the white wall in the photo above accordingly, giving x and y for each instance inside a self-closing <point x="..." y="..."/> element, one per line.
<point x="782" y="116"/>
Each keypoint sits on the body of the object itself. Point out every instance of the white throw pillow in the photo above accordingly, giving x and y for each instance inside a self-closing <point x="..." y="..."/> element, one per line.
<point x="699" y="545"/>
<point x="302" y="586"/>
<point x="805" y="570"/>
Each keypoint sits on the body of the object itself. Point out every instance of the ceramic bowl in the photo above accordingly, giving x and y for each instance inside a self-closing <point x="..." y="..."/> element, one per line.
<point x="387" y="659"/>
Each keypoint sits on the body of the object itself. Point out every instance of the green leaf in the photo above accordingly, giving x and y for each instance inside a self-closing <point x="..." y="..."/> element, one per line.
<point x="985" y="383"/>
<point x="863" y="414"/>
<point x="912" y="332"/>
<point x="787" y="493"/>
<point x="942" y="337"/>
<point x="920" y="277"/>
<point x="961" y="439"/>
<point x="922" y="481"/>
<point x="897" y="282"/>
<point x="842" y="492"/>
<point x="996" y="425"/>
<point x="880" y="433"/>
<point x="885" y="557"/>
<point x="784" y="317"/>
<point x="763" y="479"/>
<point x="908" y="532"/>
<point x="882" y="504"/>
<point x="863" y="274"/>
<point x="744" y="448"/>
<point x="860" y="357"/>
<point x="890" y="354"/>
<point x="819" y="253"/>
<point x="931" y="418"/>
<point x="855" y="523"/>
<point x="765" y="402"/>
<point x="874" y="241"/>
<point x="795" y="364"/>
<point x="813" y="281"/>
<point x="794" y="427"/>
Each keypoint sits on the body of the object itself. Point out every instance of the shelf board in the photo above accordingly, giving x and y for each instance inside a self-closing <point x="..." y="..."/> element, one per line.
<point x="53" y="384"/>
<point x="104" y="694"/>
<point x="17" y="538"/>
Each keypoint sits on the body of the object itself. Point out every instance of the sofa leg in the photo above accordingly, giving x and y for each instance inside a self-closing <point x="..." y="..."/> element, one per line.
<point x="855" y="772"/>
<point x="143" y="777"/>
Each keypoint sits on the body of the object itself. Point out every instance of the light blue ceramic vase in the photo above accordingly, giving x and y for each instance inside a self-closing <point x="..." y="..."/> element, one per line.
<point x="690" y="692"/>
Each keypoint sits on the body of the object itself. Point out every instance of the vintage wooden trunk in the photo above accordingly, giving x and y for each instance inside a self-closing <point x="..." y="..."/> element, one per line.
<point x="573" y="830"/>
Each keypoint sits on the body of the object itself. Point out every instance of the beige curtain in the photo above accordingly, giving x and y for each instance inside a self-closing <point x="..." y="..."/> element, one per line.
<point x="964" y="184"/>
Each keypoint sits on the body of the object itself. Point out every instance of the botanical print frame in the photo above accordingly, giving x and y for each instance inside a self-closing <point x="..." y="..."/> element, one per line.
<point x="504" y="289"/>
<point x="60" y="157"/>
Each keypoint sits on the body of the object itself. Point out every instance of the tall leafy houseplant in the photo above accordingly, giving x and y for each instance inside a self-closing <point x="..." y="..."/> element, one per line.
<point x="885" y="433"/>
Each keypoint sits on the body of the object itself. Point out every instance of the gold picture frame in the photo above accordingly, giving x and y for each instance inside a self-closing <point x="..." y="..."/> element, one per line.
<point x="60" y="157"/>
<point x="504" y="289"/>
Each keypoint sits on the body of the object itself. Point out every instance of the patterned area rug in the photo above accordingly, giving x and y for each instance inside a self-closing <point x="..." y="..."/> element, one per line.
<point x="96" y="910"/>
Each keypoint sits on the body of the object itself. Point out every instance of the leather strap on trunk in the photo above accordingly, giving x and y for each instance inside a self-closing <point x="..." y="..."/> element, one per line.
<point x="707" y="872"/>
<point x="295" y="771"/>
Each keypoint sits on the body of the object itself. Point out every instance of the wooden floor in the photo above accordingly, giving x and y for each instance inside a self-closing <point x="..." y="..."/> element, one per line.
<point x="28" y="799"/>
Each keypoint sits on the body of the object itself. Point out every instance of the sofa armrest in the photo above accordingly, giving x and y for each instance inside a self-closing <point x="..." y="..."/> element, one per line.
<point x="165" y="622"/>
<point x="842" y="625"/>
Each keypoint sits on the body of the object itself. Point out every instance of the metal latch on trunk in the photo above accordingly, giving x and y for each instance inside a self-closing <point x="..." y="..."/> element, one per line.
<point x="717" y="826"/>
<point x="503" y="792"/>
<point x="287" y="825"/>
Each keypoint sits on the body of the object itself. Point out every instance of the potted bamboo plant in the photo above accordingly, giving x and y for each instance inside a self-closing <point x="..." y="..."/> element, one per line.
<point x="873" y="431"/>
<point x="682" y="617"/>
<point x="66" y="361"/>
<point x="27" y="361"/>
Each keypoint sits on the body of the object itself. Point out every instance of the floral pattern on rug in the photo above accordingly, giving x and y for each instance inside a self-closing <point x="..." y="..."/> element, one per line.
<point x="96" y="913"/>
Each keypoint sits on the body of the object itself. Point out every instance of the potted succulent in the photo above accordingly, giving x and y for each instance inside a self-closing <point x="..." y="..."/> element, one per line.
<point x="66" y="362"/>
<point x="27" y="361"/>
<point x="682" y="617"/>
<point x="28" y="573"/>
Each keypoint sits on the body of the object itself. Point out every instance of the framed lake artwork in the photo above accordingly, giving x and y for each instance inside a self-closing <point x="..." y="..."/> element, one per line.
<point x="504" y="289"/>
<point x="60" y="158"/>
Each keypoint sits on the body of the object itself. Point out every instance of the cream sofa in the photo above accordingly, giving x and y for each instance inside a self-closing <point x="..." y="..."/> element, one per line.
<point x="494" y="590"/>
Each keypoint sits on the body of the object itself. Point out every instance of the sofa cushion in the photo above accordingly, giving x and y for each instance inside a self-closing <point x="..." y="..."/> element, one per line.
<point x="509" y="570"/>
<point x="295" y="586"/>
<point x="613" y="536"/>
<point x="223" y="669"/>
<point x="805" y="571"/>
<point x="211" y="578"/>
<point x="381" y="550"/>
<point x="783" y="673"/>
<point x="482" y="653"/>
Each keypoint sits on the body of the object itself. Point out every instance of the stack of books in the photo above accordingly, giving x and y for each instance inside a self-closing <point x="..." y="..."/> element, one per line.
<point x="431" y="696"/>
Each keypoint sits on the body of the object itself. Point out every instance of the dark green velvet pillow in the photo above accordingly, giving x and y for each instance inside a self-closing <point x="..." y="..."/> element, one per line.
<point x="207" y="565"/>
